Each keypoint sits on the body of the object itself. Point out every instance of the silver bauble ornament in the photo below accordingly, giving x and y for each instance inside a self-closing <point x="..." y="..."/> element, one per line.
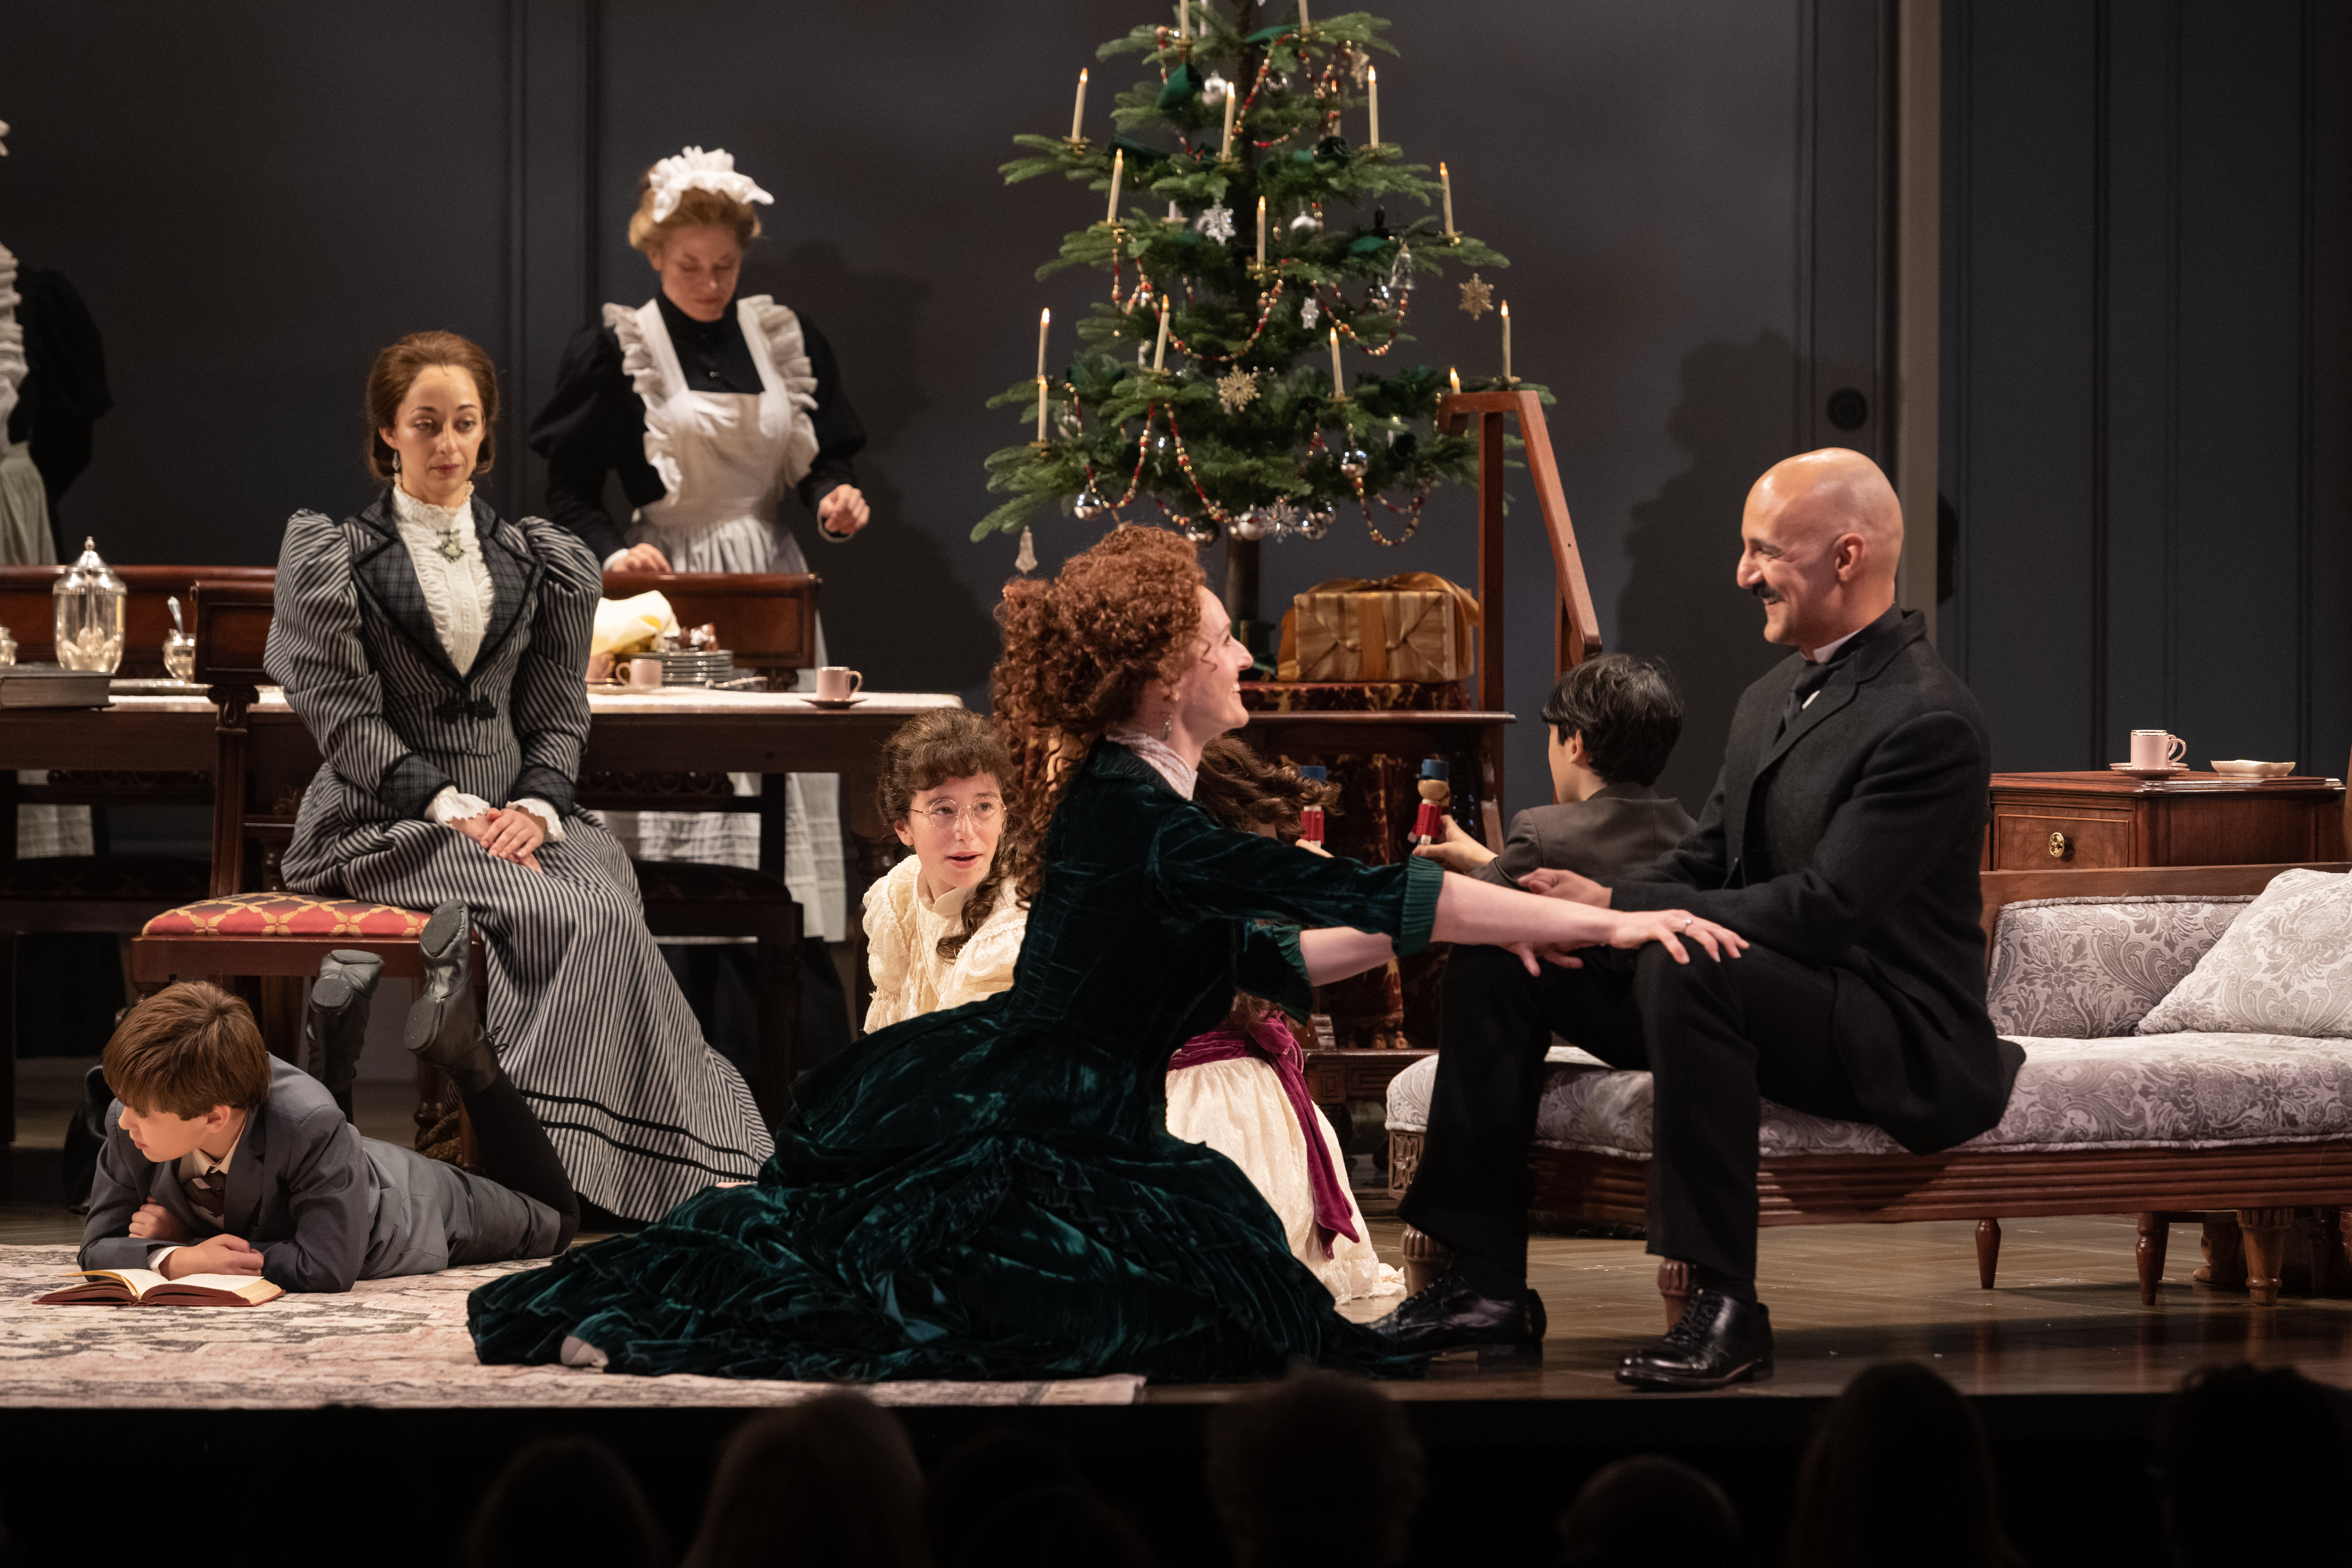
<point x="1355" y="462"/>
<point x="1201" y="531"/>
<point x="1250" y="525"/>
<point x="1088" y="506"/>
<point x="1318" y="523"/>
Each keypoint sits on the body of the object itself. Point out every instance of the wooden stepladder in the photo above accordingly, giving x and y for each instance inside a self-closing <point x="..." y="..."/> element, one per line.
<point x="1576" y="634"/>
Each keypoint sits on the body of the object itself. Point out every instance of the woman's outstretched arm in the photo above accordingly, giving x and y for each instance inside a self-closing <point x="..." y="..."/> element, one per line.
<point x="1470" y="910"/>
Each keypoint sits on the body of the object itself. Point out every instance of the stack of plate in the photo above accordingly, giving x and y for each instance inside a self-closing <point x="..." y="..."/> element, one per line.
<point x="698" y="667"/>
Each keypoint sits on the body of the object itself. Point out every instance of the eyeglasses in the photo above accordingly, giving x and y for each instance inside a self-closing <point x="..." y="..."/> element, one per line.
<point x="945" y="816"/>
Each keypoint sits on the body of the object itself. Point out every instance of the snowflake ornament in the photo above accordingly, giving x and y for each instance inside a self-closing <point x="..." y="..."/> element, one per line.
<point x="1477" y="296"/>
<point x="1217" y="223"/>
<point x="1310" y="309"/>
<point x="1236" y="389"/>
<point x="1360" y="64"/>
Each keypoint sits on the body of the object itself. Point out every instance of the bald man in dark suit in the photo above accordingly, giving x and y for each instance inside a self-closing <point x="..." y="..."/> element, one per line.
<point x="1841" y="840"/>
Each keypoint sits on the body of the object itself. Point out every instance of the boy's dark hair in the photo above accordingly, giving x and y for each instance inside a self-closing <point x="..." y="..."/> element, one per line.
<point x="1629" y="711"/>
<point x="188" y="1048"/>
<point x="2228" y="1428"/>
<point x="1898" y="1472"/>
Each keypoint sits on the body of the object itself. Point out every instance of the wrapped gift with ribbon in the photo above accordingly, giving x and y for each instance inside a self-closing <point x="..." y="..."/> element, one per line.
<point x="1415" y="626"/>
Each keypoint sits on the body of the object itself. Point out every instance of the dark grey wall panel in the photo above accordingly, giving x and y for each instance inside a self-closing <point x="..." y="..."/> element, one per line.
<point x="256" y="197"/>
<point x="2142" y="441"/>
<point x="2021" y="112"/>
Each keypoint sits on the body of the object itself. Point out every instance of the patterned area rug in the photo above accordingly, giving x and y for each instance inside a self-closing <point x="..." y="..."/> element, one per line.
<point x="395" y="1343"/>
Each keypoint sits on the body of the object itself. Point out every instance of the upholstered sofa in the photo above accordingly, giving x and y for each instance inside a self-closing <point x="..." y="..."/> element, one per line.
<point x="2168" y="1073"/>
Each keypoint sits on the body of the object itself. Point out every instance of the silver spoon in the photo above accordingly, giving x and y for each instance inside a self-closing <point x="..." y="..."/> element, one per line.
<point x="177" y="625"/>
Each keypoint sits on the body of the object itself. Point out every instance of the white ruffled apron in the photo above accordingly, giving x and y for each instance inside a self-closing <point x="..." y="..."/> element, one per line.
<point x="726" y="459"/>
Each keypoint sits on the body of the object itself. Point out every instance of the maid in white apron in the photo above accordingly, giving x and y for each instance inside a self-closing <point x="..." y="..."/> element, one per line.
<point x="709" y="408"/>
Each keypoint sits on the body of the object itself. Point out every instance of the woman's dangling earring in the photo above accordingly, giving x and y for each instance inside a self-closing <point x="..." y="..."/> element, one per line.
<point x="1166" y="728"/>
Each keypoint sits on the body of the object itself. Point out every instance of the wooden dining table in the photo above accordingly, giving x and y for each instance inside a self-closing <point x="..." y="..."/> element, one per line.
<point x="640" y="745"/>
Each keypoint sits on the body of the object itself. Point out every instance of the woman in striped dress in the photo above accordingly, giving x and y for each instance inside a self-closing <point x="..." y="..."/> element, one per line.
<point x="436" y="651"/>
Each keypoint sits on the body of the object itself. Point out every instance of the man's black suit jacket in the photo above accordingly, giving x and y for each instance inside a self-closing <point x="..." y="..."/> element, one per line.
<point x="1851" y="842"/>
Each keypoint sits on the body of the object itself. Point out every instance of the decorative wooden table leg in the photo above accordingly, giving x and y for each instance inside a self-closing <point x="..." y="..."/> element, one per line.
<point x="1674" y="1287"/>
<point x="1425" y="1260"/>
<point x="2225" y="1254"/>
<point x="1988" y="1251"/>
<point x="2155" y="1234"/>
<point x="2265" y="1237"/>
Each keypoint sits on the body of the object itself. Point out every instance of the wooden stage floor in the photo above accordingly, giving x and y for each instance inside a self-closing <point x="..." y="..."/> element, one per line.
<point x="2065" y="1318"/>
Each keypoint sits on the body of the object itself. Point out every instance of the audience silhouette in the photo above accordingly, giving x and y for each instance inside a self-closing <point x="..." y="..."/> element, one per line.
<point x="1899" y="1476"/>
<point x="568" y="1500"/>
<point x="830" y="1482"/>
<point x="2234" y="1435"/>
<point x="1320" y="1467"/>
<point x="1650" y="1508"/>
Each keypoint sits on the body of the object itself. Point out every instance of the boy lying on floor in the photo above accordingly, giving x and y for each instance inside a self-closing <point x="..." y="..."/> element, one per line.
<point x="221" y="1160"/>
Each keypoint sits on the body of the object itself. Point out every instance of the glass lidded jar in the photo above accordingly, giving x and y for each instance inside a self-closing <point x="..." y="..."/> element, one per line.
<point x="89" y="600"/>
<point x="7" y="648"/>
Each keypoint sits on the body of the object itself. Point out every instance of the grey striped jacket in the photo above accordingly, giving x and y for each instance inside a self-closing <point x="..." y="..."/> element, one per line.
<point x="354" y="645"/>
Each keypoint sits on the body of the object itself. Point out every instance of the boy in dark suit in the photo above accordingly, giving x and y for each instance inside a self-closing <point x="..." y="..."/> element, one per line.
<point x="1615" y="722"/>
<point x="221" y="1160"/>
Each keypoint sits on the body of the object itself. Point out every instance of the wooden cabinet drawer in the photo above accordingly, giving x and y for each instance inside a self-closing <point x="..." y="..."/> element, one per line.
<point x="2025" y="837"/>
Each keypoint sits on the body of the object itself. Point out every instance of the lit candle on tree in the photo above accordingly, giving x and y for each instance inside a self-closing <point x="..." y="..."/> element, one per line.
<point x="1373" y="77"/>
<point x="1261" y="233"/>
<point x="1078" y="115"/>
<point x="1338" y="391"/>
<point x="1446" y="184"/>
<point x="1508" y="376"/>
<point x="1044" y="317"/>
<point x="1117" y="171"/>
<point x="1159" y="349"/>
<point x="1455" y="376"/>
<point x="1225" y="152"/>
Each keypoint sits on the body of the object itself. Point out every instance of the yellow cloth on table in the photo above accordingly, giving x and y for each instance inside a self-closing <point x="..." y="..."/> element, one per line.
<point x="1415" y="626"/>
<point x="632" y="625"/>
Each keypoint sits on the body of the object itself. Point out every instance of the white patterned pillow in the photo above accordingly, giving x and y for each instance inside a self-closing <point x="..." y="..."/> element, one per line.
<point x="2285" y="967"/>
<point x="2090" y="968"/>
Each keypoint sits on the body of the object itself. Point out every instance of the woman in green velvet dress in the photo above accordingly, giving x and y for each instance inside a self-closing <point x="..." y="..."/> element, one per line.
<point x="992" y="1191"/>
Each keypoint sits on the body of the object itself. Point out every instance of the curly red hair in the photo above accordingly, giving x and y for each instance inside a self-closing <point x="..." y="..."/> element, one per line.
<point x="1079" y="649"/>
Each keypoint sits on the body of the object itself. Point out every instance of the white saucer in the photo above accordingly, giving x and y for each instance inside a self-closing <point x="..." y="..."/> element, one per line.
<point x="2171" y="771"/>
<point x="834" y="703"/>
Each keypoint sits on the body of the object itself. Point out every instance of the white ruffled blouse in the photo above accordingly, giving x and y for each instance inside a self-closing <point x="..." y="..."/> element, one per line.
<point x="459" y="596"/>
<point x="902" y="948"/>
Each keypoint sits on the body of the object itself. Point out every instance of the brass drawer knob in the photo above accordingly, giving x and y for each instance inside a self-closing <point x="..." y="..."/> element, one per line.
<point x="2058" y="847"/>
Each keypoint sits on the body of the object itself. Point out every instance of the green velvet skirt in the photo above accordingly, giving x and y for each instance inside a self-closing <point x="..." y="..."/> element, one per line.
<point x="958" y="1197"/>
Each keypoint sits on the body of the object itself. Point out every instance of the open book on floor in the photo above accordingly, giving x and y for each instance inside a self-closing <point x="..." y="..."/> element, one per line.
<point x="145" y="1287"/>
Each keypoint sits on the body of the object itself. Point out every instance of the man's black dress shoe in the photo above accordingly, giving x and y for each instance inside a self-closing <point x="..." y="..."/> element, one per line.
<point x="1449" y="1315"/>
<point x="445" y="1023"/>
<point x="1720" y="1341"/>
<point x="335" y="1022"/>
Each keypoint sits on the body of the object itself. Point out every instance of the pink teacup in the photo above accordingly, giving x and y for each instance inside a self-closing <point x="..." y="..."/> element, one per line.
<point x="2156" y="749"/>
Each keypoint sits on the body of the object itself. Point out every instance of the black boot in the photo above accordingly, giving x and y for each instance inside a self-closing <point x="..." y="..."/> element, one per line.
<point x="1720" y="1341"/>
<point x="445" y="1025"/>
<point x="335" y="1023"/>
<point x="1452" y="1315"/>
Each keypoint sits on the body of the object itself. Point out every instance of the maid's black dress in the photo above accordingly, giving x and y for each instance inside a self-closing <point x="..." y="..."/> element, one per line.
<point x="992" y="1191"/>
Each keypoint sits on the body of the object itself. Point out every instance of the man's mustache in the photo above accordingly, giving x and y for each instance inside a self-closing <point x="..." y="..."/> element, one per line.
<point x="1764" y="592"/>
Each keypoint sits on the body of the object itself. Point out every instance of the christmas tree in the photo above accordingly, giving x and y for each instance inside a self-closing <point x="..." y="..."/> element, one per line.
<point x="1255" y="262"/>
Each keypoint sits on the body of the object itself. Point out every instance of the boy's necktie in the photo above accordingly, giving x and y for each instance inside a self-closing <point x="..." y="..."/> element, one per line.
<point x="207" y="1191"/>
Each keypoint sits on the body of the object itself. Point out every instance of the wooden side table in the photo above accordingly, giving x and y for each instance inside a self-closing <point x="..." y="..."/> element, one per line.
<point x="2087" y="821"/>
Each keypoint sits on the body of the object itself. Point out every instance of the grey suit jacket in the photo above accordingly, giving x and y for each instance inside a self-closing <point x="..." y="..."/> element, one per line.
<point x="353" y="642"/>
<point x="324" y="1205"/>
<point x="1850" y="842"/>
<point x="1621" y="827"/>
